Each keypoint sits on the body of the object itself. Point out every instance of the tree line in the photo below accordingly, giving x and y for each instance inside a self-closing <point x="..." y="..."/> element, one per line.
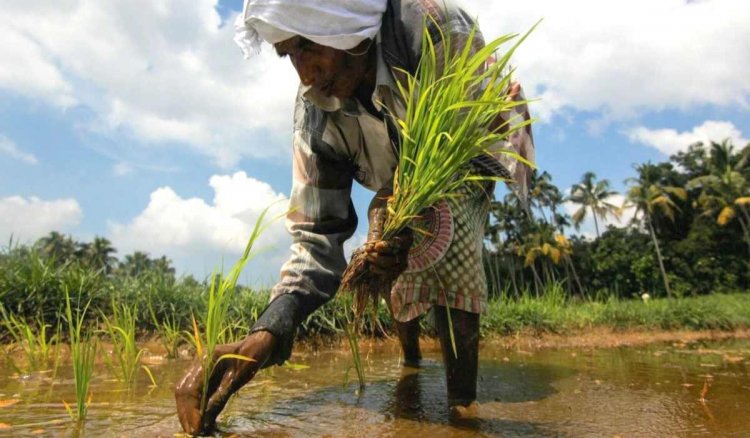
<point x="99" y="255"/>
<point x="690" y="233"/>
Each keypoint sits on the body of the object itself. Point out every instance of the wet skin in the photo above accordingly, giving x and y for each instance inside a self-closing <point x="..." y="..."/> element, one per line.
<point x="228" y="377"/>
<point x="341" y="74"/>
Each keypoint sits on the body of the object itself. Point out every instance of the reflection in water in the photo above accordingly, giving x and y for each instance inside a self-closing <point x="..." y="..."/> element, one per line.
<point x="651" y="391"/>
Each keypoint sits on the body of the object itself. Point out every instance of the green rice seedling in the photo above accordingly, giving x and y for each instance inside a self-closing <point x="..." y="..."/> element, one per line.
<point x="150" y="375"/>
<point x="234" y="330"/>
<point x="169" y="332"/>
<point x="83" y="354"/>
<point x="351" y="329"/>
<point x="126" y="355"/>
<point x="214" y="321"/>
<point x="451" y="109"/>
<point x="33" y="339"/>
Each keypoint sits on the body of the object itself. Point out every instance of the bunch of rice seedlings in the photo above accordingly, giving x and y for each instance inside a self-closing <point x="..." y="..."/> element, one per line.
<point x="33" y="339"/>
<point x="126" y="356"/>
<point x="215" y="322"/>
<point x="83" y="355"/>
<point x="451" y="109"/>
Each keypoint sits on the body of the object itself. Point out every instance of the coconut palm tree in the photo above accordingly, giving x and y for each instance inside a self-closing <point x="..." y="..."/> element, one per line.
<point x="543" y="194"/>
<point x="725" y="192"/>
<point x="57" y="246"/>
<point x="649" y="196"/>
<point x="136" y="264"/>
<point x="99" y="254"/>
<point x="593" y="195"/>
<point x="546" y="245"/>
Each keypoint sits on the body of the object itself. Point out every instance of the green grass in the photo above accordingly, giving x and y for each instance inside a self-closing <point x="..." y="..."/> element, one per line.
<point x="39" y="346"/>
<point x="120" y="328"/>
<point x="168" y="331"/>
<point x="83" y="355"/>
<point x="552" y="312"/>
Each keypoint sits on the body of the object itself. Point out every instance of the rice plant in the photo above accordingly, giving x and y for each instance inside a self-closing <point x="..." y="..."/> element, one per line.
<point x="36" y="342"/>
<point x="120" y="329"/>
<point x="352" y="328"/>
<point x="215" y="321"/>
<point x="169" y="332"/>
<point x="83" y="354"/>
<point x="451" y="112"/>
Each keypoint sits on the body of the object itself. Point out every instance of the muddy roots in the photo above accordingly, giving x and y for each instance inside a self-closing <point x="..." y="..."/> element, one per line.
<point x="367" y="285"/>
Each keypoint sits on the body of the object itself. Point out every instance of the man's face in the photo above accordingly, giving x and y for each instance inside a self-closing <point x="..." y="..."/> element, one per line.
<point x="331" y="71"/>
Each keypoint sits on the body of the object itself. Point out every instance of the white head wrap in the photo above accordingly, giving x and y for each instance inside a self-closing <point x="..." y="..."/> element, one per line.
<point x="341" y="24"/>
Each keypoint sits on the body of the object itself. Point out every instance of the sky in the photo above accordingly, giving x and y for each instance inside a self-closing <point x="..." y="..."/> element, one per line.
<point x="141" y="122"/>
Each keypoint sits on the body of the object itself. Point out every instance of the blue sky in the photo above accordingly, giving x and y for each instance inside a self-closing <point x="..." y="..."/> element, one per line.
<point x="141" y="121"/>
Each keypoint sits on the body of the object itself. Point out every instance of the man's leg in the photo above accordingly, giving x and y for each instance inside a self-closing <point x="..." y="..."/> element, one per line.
<point x="408" y="336"/>
<point x="460" y="367"/>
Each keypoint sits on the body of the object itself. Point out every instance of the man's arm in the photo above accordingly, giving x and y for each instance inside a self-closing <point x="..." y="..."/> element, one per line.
<point x="321" y="218"/>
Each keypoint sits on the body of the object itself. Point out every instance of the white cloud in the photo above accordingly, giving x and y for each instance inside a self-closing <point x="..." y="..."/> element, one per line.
<point x="29" y="219"/>
<point x="27" y="68"/>
<point x="669" y="141"/>
<point x="8" y="147"/>
<point x="626" y="56"/>
<point x="198" y="235"/>
<point x="122" y="169"/>
<point x="588" y="228"/>
<point x="168" y="70"/>
<point x="163" y="71"/>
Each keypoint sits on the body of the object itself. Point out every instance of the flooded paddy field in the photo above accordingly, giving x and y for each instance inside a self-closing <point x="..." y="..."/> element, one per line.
<point x="700" y="388"/>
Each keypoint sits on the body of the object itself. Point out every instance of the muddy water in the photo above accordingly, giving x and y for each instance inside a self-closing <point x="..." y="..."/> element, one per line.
<point x="647" y="391"/>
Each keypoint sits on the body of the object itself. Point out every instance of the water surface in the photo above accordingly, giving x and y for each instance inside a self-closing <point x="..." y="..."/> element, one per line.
<point x="646" y="391"/>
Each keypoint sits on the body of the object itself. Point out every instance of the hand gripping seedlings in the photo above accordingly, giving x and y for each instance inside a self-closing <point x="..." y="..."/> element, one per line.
<point x="453" y="103"/>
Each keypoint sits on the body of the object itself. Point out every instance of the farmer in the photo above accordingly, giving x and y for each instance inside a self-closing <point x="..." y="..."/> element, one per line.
<point x="346" y="53"/>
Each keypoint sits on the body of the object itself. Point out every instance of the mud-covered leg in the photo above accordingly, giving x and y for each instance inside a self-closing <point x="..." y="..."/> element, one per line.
<point x="408" y="336"/>
<point x="460" y="368"/>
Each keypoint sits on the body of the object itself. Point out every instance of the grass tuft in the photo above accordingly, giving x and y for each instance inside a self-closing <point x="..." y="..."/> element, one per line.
<point x="120" y="328"/>
<point x="83" y="354"/>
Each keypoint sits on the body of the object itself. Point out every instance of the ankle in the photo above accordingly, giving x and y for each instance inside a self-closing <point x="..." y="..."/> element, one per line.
<point x="413" y="362"/>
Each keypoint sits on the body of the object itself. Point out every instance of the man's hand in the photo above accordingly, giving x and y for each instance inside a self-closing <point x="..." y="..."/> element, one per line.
<point x="228" y="376"/>
<point x="389" y="256"/>
<point x="385" y="256"/>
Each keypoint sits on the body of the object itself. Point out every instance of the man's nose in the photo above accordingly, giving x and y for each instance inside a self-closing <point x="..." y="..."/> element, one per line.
<point x="306" y="78"/>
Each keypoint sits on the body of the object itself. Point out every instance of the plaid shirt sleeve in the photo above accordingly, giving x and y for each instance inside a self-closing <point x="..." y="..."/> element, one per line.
<point x="321" y="214"/>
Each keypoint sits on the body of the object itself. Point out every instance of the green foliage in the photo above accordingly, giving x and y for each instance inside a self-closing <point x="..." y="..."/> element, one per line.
<point x="120" y="328"/>
<point x="451" y="104"/>
<point x="83" y="354"/>
<point x="553" y="312"/>
<point x="689" y="236"/>
<point x="33" y="338"/>
<point x="594" y="196"/>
